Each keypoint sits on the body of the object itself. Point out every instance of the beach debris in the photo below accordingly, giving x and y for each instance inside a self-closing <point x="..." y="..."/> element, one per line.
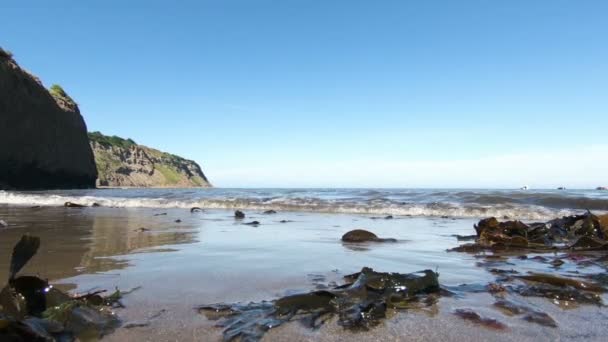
<point x="562" y="282"/>
<point x="195" y="209"/>
<point x="269" y="212"/>
<point x="564" y="297"/>
<point x="361" y="235"/>
<point x="33" y="310"/>
<point x="576" y="232"/>
<point x="73" y="205"/>
<point x="252" y="223"/>
<point x="511" y="308"/>
<point x="472" y="316"/>
<point x="359" y="304"/>
<point x="239" y="215"/>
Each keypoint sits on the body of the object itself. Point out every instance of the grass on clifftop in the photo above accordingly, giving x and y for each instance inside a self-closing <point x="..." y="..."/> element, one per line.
<point x="59" y="93"/>
<point x="108" y="141"/>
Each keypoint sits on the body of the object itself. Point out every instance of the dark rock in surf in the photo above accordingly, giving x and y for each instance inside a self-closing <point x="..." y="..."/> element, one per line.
<point x="239" y="215"/>
<point x="73" y="205"/>
<point x="361" y="235"/>
<point x="252" y="223"/>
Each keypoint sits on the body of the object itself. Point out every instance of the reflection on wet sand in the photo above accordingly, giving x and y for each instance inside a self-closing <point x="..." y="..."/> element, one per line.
<point x="78" y="240"/>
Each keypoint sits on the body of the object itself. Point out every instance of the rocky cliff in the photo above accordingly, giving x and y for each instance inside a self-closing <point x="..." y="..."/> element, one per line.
<point x="43" y="137"/>
<point x="123" y="163"/>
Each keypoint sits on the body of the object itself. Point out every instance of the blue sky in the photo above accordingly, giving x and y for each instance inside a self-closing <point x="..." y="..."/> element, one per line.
<point x="337" y="93"/>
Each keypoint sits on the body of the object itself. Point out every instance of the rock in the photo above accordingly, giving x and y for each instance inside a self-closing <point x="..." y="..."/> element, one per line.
<point x="122" y="162"/>
<point x="252" y="223"/>
<point x="601" y="188"/>
<point x="239" y="214"/>
<point x="73" y="205"/>
<point x="361" y="235"/>
<point x="269" y="212"/>
<point x="42" y="134"/>
<point x="472" y="316"/>
<point x="178" y="221"/>
<point x="388" y="217"/>
<point x="95" y="204"/>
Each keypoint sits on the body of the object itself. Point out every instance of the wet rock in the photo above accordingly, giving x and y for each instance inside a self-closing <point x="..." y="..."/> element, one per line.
<point x="541" y="318"/>
<point x="589" y="242"/>
<point x="252" y="223"/>
<point x="564" y="297"/>
<point x="269" y="212"/>
<point x="239" y="215"/>
<point x="73" y="205"/>
<point x="136" y="324"/>
<point x="472" y="316"/>
<point x="531" y="315"/>
<point x="495" y="288"/>
<point x="361" y="235"/>
<point x="95" y="204"/>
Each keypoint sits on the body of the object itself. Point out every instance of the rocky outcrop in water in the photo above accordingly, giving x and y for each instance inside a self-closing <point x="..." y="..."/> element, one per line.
<point x="43" y="137"/>
<point x="123" y="163"/>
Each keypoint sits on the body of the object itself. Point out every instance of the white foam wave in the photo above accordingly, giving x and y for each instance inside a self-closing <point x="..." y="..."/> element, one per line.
<point x="309" y="204"/>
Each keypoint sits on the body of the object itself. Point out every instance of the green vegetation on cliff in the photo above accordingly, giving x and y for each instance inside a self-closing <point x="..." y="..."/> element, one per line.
<point x="124" y="163"/>
<point x="60" y="95"/>
<point x="109" y="141"/>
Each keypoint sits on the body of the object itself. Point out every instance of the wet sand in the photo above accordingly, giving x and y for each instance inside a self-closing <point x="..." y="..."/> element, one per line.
<point x="209" y="258"/>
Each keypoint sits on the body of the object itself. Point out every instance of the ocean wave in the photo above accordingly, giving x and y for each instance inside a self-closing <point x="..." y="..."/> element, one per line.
<point x="348" y="205"/>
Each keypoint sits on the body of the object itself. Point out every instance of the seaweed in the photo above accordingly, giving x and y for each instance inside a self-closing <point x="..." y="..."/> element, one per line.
<point x="359" y="304"/>
<point x="33" y="310"/>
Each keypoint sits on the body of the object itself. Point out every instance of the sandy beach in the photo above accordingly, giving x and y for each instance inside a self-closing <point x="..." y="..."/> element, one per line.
<point x="209" y="257"/>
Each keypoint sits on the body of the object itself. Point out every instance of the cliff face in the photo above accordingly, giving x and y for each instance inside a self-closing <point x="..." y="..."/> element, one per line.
<point x="43" y="137"/>
<point x="121" y="162"/>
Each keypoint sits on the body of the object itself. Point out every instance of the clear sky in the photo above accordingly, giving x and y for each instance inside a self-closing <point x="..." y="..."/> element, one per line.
<point x="337" y="93"/>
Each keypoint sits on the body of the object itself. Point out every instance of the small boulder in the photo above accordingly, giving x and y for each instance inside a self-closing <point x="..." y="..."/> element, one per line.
<point x="361" y="235"/>
<point x="239" y="215"/>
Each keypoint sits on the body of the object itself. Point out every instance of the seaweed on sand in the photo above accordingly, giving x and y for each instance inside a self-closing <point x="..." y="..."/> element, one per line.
<point x="359" y="304"/>
<point x="33" y="310"/>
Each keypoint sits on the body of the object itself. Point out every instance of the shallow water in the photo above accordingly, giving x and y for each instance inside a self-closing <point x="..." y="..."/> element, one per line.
<point x="210" y="257"/>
